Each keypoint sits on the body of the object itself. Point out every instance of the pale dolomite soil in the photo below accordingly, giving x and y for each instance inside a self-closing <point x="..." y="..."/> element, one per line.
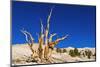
<point x="21" y="55"/>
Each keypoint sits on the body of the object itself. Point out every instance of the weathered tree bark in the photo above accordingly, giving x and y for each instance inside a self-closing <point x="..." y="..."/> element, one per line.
<point x="46" y="35"/>
<point x="46" y="52"/>
<point x="41" y="41"/>
<point x="40" y="49"/>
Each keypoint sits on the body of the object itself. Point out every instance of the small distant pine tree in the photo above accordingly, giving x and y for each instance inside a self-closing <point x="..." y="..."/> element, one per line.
<point x="89" y="54"/>
<point x="71" y="53"/>
<point x="83" y="55"/>
<point x="76" y="52"/>
<point x="86" y="53"/>
<point x="58" y="50"/>
<point x="64" y="50"/>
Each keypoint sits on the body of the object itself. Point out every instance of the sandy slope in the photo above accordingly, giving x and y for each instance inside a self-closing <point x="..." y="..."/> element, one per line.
<point x="20" y="53"/>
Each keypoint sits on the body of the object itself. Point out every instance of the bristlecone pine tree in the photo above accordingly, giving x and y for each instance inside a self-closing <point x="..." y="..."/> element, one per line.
<point x="46" y="45"/>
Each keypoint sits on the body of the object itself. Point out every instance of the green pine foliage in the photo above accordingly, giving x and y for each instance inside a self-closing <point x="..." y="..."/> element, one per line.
<point x="64" y="50"/>
<point x="58" y="50"/>
<point x="74" y="52"/>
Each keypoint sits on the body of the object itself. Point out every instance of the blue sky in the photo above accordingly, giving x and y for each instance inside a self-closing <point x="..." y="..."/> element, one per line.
<point x="77" y="21"/>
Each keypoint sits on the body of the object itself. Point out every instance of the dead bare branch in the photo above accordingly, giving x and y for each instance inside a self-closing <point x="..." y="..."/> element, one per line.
<point x="41" y="26"/>
<point x="59" y="39"/>
<point x="51" y="36"/>
<point x="30" y="41"/>
<point x="47" y="29"/>
<point x="52" y="44"/>
<point x="49" y="16"/>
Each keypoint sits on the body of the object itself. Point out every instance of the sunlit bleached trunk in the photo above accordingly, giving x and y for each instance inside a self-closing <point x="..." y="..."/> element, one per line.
<point x="41" y="42"/>
<point x="47" y="28"/>
<point x="46" y="35"/>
